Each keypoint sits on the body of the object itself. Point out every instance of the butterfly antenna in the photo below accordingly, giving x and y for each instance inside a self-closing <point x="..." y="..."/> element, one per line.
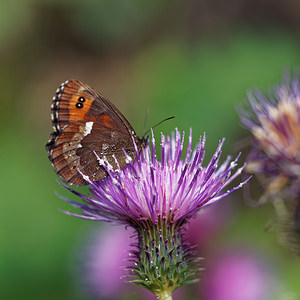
<point x="166" y="119"/>
<point x="145" y="122"/>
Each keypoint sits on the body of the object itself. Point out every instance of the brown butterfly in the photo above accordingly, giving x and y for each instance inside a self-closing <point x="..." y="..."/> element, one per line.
<point x="88" y="127"/>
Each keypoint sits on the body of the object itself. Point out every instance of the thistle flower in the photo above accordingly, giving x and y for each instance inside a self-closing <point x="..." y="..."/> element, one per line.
<point x="274" y="122"/>
<point x="156" y="198"/>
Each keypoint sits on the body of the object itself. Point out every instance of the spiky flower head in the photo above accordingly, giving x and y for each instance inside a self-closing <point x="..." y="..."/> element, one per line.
<point x="274" y="122"/>
<point x="156" y="198"/>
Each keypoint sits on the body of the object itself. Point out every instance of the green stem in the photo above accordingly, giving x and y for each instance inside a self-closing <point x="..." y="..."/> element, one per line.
<point x="280" y="208"/>
<point x="165" y="295"/>
<point x="287" y="226"/>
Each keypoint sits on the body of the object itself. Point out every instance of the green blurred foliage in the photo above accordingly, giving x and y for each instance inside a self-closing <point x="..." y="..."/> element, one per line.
<point x="142" y="55"/>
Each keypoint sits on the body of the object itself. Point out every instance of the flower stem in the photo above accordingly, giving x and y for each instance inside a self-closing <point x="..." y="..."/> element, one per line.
<point x="287" y="224"/>
<point x="165" y="295"/>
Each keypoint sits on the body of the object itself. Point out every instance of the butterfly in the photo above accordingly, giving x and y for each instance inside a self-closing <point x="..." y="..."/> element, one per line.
<point x="87" y="129"/>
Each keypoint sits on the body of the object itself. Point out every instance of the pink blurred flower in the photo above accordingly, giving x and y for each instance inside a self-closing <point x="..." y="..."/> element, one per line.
<point x="238" y="275"/>
<point x="202" y="229"/>
<point x="104" y="260"/>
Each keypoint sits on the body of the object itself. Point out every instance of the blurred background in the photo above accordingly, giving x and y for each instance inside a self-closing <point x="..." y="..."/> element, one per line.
<point x="188" y="58"/>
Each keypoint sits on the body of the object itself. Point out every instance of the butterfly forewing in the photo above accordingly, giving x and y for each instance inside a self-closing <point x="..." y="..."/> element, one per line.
<point x="87" y="128"/>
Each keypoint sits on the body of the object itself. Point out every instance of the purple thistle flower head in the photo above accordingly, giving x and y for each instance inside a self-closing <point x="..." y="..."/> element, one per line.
<point x="156" y="198"/>
<point x="274" y="122"/>
<point x="171" y="190"/>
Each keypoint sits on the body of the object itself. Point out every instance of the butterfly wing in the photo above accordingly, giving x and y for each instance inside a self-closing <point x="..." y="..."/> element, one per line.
<point x="86" y="123"/>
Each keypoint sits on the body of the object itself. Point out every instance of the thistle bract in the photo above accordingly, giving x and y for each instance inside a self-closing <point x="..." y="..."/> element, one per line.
<point x="156" y="197"/>
<point x="274" y="122"/>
